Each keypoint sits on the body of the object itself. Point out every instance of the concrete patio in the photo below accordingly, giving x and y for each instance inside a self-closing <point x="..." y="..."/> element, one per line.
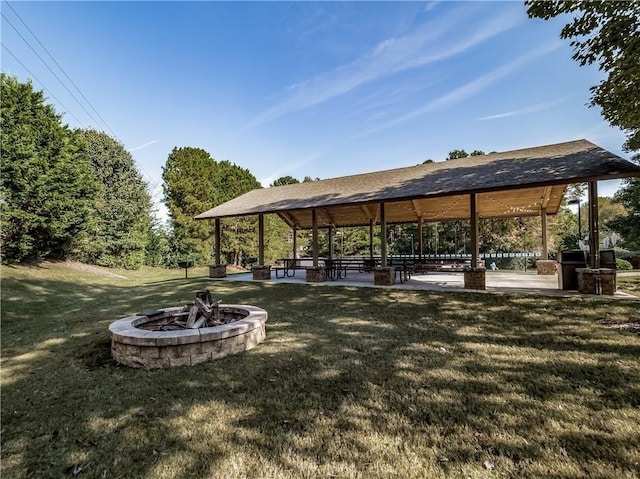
<point x="502" y="282"/>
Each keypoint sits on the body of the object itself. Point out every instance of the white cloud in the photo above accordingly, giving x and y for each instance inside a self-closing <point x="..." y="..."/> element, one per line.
<point x="148" y="143"/>
<point x="470" y="89"/>
<point x="290" y="167"/>
<point x="429" y="43"/>
<point x="524" y="111"/>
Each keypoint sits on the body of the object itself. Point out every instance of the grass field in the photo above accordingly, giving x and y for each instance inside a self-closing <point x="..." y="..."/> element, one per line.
<point x="350" y="383"/>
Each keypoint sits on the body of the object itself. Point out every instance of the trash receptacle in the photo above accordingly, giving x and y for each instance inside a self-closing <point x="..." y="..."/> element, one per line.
<point x="569" y="261"/>
<point x="608" y="258"/>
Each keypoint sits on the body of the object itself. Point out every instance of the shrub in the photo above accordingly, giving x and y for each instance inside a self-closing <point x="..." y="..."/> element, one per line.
<point x="623" y="264"/>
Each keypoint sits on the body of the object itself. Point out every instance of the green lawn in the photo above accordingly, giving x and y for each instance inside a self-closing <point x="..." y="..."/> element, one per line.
<point x="355" y="383"/>
<point x="630" y="284"/>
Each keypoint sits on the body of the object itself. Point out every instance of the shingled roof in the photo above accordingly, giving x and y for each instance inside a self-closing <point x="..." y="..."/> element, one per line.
<point x="508" y="184"/>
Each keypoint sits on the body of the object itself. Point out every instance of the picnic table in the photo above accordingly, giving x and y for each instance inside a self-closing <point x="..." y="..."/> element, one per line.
<point x="287" y="267"/>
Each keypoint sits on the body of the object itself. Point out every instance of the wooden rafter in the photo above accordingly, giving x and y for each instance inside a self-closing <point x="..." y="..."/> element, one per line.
<point x="417" y="209"/>
<point x="327" y="216"/>
<point x="546" y="196"/>
<point x="287" y="218"/>
<point x="366" y="211"/>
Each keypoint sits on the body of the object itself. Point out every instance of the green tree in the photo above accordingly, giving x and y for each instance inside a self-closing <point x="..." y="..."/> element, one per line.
<point x="564" y="230"/>
<point x="608" y="34"/>
<point x="628" y="225"/>
<point x="455" y="154"/>
<point x="47" y="189"/>
<point x="285" y="180"/>
<point x="194" y="182"/>
<point x="158" y="252"/>
<point x="189" y="189"/>
<point x="123" y="206"/>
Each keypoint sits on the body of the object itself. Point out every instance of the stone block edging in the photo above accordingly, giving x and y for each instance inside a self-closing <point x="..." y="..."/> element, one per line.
<point x="137" y="347"/>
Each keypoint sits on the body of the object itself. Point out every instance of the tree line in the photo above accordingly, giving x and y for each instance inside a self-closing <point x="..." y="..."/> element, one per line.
<point x="77" y="194"/>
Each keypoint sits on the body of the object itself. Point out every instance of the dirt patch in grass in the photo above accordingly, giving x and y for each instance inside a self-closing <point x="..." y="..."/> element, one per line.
<point x="633" y="326"/>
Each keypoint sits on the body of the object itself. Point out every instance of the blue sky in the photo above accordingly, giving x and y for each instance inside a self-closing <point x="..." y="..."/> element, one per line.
<point x="323" y="89"/>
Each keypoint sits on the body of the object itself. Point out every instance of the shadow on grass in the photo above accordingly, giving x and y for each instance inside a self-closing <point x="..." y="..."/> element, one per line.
<point x="349" y="383"/>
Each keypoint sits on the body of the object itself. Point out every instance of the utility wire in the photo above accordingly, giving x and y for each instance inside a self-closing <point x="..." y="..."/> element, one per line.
<point x="49" y="68"/>
<point x="60" y="67"/>
<point x="43" y="86"/>
<point x="153" y="185"/>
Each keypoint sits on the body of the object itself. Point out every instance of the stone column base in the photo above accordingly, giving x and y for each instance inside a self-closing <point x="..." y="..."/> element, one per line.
<point x="261" y="272"/>
<point x="384" y="275"/>
<point x="596" y="281"/>
<point x="217" y="271"/>
<point x="316" y="274"/>
<point x="475" y="278"/>
<point x="546" y="266"/>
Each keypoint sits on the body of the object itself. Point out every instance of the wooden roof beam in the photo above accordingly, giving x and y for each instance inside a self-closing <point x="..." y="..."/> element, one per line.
<point x="546" y="196"/>
<point x="327" y="216"/>
<point x="287" y="218"/>
<point x="416" y="208"/>
<point x="370" y="216"/>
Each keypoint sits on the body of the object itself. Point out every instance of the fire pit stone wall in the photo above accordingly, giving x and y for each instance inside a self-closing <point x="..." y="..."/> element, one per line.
<point x="136" y="347"/>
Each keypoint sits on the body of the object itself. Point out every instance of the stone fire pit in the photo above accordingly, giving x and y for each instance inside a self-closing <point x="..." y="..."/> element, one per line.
<point x="181" y="337"/>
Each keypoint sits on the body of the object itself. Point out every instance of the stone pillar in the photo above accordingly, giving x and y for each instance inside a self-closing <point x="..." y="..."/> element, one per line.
<point x="384" y="276"/>
<point x="475" y="278"/>
<point x="596" y="281"/>
<point x="261" y="272"/>
<point x="316" y="274"/>
<point x="546" y="266"/>
<point x="218" y="271"/>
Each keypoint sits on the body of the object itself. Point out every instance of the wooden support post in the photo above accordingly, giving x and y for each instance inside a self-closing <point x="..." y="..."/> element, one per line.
<point x="594" y="231"/>
<point x="383" y="235"/>
<point x="261" y="239"/>
<point x="314" y="239"/>
<point x="371" y="224"/>
<point x="475" y="242"/>
<point x="330" y="240"/>
<point x="295" y="242"/>
<point x="420" y="224"/>
<point x="216" y="245"/>
<point x="545" y="240"/>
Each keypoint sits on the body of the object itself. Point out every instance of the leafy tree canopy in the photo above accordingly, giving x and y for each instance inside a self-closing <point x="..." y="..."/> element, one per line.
<point x="455" y="154"/>
<point x="123" y="206"/>
<point x="628" y="225"/>
<point x="194" y="182"/>
<point x="47" y="189"/>
<point x="608" y="34"/>
<point x="285" y="180"/>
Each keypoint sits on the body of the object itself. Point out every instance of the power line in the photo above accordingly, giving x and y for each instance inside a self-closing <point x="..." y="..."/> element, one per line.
<point x="49" y="68"/>
<point x="60" y="67"/>
<point x="153" y="184"/>
<point x="43" y="86"/>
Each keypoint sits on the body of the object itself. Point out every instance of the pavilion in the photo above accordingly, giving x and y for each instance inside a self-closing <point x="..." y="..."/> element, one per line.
<point x="518" y="183"/>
